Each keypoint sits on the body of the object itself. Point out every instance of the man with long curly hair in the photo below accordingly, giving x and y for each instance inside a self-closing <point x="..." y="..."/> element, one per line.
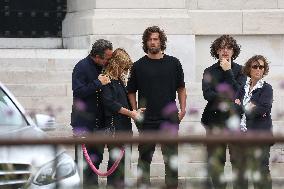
<point x="157" y="77"/>
<point x="219" y="84"/>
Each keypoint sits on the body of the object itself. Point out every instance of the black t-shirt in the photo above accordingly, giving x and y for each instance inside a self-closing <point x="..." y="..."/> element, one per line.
<point x="156" y="81"/>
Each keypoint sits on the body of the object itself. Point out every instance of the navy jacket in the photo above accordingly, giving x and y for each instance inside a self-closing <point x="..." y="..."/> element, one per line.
<point x="259" y="118"/>
<point x="87" y="109"/>
<point x="220" y="86"/>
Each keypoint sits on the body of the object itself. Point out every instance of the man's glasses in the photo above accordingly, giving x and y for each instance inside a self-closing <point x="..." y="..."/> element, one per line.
<point x="261" y="67"/>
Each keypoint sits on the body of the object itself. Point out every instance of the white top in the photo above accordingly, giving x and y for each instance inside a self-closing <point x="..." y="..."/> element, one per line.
<point x="246" y="100"/>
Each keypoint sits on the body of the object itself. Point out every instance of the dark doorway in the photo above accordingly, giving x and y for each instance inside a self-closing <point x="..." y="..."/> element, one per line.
<point x="31" y="18"/>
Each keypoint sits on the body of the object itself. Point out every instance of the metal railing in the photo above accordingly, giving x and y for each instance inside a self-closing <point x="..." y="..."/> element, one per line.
<point x="250" y="138"/>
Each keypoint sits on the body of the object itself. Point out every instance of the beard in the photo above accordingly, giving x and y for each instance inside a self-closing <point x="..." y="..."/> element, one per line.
<point x="154" y="50"/>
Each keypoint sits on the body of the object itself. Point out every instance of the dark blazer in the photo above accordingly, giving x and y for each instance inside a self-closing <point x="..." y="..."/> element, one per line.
<point x="114" y="97"/>
<point x="220" y="86"/>
<point x="87" y="109"/>
<point x="259" y="118"/>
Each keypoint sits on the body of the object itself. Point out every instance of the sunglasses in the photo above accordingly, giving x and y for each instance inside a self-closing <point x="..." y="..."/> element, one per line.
<point x="261" y="67"/>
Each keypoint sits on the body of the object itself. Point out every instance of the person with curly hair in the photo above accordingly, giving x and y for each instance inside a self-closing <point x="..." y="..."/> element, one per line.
<point x="254" y="102"/>
<point x="220" y="83"/>
<point x="157" y="77"/>
<point x="117" y="110"/>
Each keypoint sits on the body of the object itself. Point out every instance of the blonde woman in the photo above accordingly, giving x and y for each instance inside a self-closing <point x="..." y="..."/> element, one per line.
<point x="117" y="109"/>
<point x="116" y="105"/>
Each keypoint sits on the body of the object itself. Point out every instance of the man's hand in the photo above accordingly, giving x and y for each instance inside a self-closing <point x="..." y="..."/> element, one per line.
<point x="104" y="79"/>
<point x="225" y="64"/>
<point x="181" y="115"/>
<point x="238" y="102"/>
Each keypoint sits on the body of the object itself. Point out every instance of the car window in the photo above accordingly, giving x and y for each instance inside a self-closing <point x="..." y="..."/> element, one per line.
<point x="9" y="113"/>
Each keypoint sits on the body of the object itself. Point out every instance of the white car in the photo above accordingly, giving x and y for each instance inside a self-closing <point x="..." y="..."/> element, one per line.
<point x="31" y="166"/>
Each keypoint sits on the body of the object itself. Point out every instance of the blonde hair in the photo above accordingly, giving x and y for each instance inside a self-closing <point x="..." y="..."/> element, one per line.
<point x="119" y="63"/>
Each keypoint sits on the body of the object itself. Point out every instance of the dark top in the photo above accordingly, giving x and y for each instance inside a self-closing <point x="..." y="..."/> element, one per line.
<point x="87" y="109"/>
<point x="220" y="86"/>
<point x="156" y="81"/>
<point x="259" y="118"/>
<point x="114" y="97"/>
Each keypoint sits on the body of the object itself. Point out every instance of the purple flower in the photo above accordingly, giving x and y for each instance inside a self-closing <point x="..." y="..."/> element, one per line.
<point x="94" y="157"/>
<point x="80" y="105"/>
<point x="281" y="84"/>
<point x="207" y="77"/>
<point x="225" y="89"/>
<point x="9" y="112"/>
<point x="193" y="111"/>
<point x="170" y="109"/>
<point x="80" y="131"/>
<point x="170" y="128"/>
<point x="275" y="158"/>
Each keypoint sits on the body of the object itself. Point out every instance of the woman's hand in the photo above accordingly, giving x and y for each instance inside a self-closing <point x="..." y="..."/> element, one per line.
<point x="133" y="114"/>
<point x="104" y="79"/>
<point x="137" y="115"/>
<point x="141" y="110"/>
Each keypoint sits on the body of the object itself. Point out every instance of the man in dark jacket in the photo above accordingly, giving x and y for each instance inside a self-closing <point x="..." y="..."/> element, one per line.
<point x="219" y="84"/>
<point x="87" y="110"/>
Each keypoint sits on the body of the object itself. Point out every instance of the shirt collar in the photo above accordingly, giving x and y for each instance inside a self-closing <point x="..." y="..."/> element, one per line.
<point x="258" y="85"/>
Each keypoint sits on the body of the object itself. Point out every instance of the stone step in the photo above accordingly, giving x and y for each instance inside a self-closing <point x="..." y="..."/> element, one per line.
<point x="43" y="53"/>
<point x="30" y="43"/>
<point x="77" y="5"/>
<point x="237" y="5"/>
<point x="35" y="77"/>
<point x="38" y="64"/>
<point x="35" y="90"/>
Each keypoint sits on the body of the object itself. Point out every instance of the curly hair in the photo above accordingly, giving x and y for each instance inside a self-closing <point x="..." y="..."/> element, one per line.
<point x="99" y="47"/>
<point x="119" y="63"/>
<point x="148" y="32"/>
<point x="222" y="42"/>
<point x="255" y="58"/>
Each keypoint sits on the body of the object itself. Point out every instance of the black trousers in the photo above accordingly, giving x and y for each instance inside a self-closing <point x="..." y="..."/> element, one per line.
<point x="244" y="158"/>
<point x="146" y="152"/>
<point x="253" y="160"/>
<point x="216" y="158"/>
